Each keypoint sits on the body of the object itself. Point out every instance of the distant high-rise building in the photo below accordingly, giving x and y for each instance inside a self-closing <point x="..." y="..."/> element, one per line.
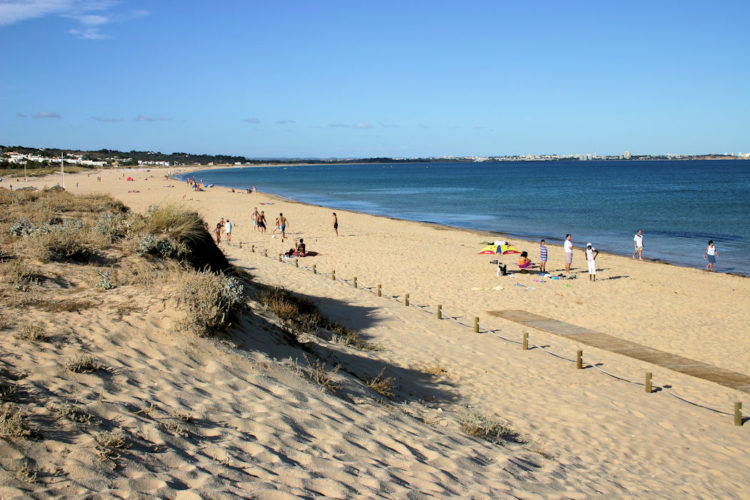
<point x="627" y="155"/>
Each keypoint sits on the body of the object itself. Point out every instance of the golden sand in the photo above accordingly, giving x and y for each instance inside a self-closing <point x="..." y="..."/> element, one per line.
<point x="588" y="434"/>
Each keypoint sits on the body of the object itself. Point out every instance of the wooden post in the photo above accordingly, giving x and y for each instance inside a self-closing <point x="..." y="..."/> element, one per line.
<point x="476" y="325"/>
<point x="579" y="360"/>
<point x="265" y="253"/>
<point x="355" y="282"/>
<point x="406" y="299"/>
<point x="738" y="413"/>
<point x="333" y="275"/>
<point x="525" y="341"/>
<point x="240" y="244"/>
<point x="315" y="269"/>
<point x="296" y="262"/>
<point x="380" y="294"/>
<point x="252" y="248"/>
<point x="440" y="312"/>
<point x="648" y="382"/>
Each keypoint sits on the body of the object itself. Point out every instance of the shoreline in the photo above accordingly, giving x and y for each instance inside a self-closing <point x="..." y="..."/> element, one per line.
<point x="525" y="238"/>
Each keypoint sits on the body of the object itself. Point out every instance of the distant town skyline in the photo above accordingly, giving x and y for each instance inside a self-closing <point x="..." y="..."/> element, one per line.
<point x="399" y="79"/>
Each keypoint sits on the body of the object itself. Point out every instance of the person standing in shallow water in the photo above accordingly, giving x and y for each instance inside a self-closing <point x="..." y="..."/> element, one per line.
<point x="710" y="255"/>
<point x="335" y="224"/>
<point x="638" y="241"/>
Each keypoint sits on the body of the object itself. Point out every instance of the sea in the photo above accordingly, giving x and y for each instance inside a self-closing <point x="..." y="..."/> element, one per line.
<point x="679" y="205"/>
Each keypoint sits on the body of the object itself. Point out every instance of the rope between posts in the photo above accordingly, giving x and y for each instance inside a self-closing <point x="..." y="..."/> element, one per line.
<point x="544" y="349"/>
<point x="618" y="377"/>
<point x="684" y="399"/>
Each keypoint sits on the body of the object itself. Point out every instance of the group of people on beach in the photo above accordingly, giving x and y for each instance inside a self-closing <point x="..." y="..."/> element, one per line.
<point x="223" y="226"/>
<point x="524" y="263"/>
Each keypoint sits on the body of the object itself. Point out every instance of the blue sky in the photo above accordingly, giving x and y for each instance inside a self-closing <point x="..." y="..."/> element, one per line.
<point x="386" y="78"/>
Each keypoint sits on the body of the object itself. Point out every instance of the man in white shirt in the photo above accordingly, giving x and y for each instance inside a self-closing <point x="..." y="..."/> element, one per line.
<point x="638" y="240"/>
<point x="568" y="247"/>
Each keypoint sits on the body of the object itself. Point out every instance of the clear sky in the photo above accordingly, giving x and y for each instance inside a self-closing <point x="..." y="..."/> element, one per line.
<point x="384" y="78"/>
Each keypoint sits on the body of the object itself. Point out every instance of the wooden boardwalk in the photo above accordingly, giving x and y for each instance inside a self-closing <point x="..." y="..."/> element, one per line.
<point x="606" y="342"/>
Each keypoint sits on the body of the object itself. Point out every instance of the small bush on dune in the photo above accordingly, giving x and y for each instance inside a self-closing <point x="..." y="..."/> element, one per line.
<point x="69" y="242"/>
<point x="489" y="429"/>
<point x="84" y="364"/>
<point x="109" y="444"/>
<point x="8" y="391"/>
<point x="32" y="332"/>
<point x="321" y="375"/>
<point x="18" y="274"/>
<point x="209" y="300"/>
<point x="13" y="422"/>
<point x="112" y="226"/>
<point x="302" y="313"/>
<point x="382" y="385"/>
<point x="178" y="223"/>
<point x="172" y="232"/>
<point x="67" y="411"/>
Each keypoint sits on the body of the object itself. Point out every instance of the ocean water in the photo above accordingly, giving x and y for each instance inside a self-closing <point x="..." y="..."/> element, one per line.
<point x="680" y="205"/>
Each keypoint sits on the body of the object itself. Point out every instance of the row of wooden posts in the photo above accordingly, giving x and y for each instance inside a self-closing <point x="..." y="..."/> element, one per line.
<point x="525" y="342"/>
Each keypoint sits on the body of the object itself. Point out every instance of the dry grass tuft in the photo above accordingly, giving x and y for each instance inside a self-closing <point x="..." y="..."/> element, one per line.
<point x="67" y="411"/>
<point x="435" y="370"/>
<point x="66" y="305"/>
<point x="321" y="375"/>
<point x="382" y="385"/>
<point x="489" y="429"/>
<point x="8" y="391"/>
<point x="25" y="471"/>
<point x="175" y="427"/>
<point x="109" y="444"/>
<point x="303" y="314"/>
<point x="209" y="301"/>
<point x="84" y="363"/>
<point x="19" y="275"/>
<point x="192" y="242"/>
<point x="13" y="422"/>
<point x="32" y="332"/>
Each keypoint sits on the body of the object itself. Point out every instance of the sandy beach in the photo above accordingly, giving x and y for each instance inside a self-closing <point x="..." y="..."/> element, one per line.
<point x="270" y="434"/>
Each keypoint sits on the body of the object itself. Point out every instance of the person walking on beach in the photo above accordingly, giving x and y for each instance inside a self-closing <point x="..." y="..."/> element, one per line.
<point x="591" y="254"/>
<point x="282" y="225"/>
<point x="217" y="233"/>
<point x="262" y="221"/>
<point x="228" y="232"/>
<point x="710" y="255"/>
<point x="568" y="247"/>
<point x="335" y="224"/>
<point x="543" y="256"/>
<point x="638" y="241"/>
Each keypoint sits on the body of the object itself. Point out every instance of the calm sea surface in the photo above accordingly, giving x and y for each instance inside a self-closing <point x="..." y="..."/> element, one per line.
<point x="680" y="205"/>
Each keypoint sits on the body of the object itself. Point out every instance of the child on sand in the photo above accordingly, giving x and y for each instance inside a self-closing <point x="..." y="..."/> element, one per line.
<point x="591" y="254"/>
<point x="543" y="256"/>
